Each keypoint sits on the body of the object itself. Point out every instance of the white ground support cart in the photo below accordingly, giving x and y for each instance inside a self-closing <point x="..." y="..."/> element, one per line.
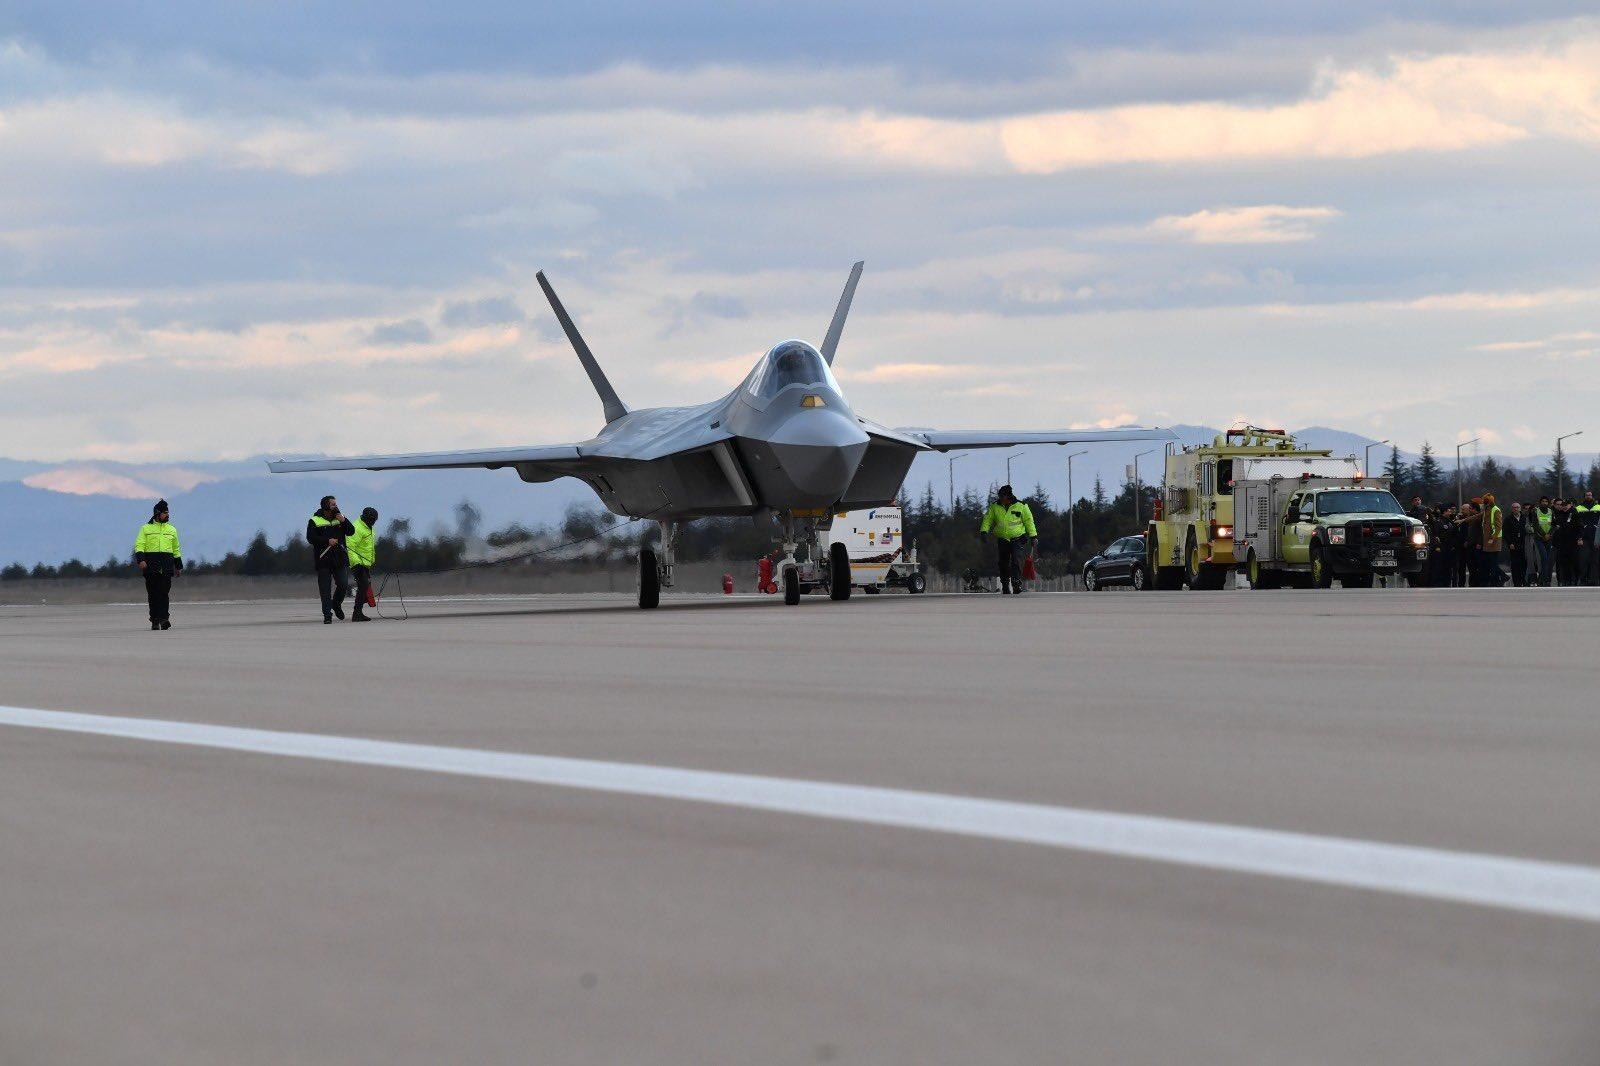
<point x="880" y="558"/>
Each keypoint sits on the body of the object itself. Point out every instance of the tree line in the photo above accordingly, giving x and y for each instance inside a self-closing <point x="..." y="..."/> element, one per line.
<point x="943" y="530"/>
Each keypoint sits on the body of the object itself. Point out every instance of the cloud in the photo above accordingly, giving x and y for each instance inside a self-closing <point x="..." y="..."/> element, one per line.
<point x="89" y="481"/>
<point x="1263" y="224"/>
<point x="411" y="331"/>
<point x="489" y="311"/>
<point x="898" y="372"/>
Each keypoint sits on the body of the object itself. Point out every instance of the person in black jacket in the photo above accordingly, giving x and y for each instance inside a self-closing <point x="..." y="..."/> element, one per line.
<point x="1565" y="536"/>
<point x="326" y="531"/>
<point x="1516" y="534"/>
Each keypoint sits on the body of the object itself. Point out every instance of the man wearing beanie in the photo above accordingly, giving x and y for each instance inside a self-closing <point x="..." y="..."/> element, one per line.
<point x="160" y="559"/>
<point x="328" y="531"/>
<point x="363" y="557"/>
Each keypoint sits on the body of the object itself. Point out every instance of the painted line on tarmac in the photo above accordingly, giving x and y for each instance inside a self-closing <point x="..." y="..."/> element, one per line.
<point x="1556" y="889"/>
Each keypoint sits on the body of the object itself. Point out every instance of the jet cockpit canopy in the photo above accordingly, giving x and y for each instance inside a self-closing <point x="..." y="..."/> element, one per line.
<point x="789" y="363"/>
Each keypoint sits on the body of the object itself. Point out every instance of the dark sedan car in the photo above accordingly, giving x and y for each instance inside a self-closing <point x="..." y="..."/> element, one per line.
<point x="1120" y="564"/>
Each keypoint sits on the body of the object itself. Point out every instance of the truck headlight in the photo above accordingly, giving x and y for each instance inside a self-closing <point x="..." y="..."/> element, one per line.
<point x="1335" y="536"/>
<point x="1419" y="537"/>
<point x="1224" y="532"/>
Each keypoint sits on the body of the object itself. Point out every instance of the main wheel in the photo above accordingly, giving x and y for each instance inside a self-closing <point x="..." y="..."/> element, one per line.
<point x="791" y="586"/>
<point x="839" y="572"/>
<point x="916" y="584"/>
<point x="1091" y="581"/>
<point x="1321" y="572"/>
<point x="649" y="579"/>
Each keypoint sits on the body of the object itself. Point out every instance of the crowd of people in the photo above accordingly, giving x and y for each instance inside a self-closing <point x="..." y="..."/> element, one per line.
<point x="1544" y="544"/>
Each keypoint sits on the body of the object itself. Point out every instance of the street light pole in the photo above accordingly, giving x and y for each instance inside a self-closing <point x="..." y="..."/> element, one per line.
<point x="1072" y="503"/>
<point x="1464" y="444"/>
<point x="953" y="459"/>
<point x="1138" y="507"/>
<point x="1010" y="457"/>
<point x="1561" y="471"/>
<point x="1366" y="459"/>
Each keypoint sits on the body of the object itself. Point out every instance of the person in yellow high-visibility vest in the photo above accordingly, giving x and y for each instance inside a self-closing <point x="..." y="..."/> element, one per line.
<point x="160" y="558"/>
<point x="1011" y="522"/>
<point x="363" y="548"/>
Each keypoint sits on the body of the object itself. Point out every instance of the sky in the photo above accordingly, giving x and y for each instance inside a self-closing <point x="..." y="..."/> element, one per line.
<point x="235" y="230"/>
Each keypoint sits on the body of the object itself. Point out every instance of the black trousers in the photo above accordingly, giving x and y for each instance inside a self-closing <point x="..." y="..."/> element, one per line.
<point x="158" y="590"/>
<point x="363" y="579"/>
<point x="1011" y="555"/>
<point x="1519" y="568"/>
<point x="333" y="584"/>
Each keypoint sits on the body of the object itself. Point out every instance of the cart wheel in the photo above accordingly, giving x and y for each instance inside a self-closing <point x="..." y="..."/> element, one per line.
<point x="916" y="584"/>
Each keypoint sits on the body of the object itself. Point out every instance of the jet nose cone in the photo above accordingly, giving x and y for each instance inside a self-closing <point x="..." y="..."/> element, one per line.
<point x="820" y="451"/>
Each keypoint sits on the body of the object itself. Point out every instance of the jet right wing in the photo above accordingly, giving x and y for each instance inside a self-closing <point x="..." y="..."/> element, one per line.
<point x="945" y="440"/>
<point x="544" y="463"/>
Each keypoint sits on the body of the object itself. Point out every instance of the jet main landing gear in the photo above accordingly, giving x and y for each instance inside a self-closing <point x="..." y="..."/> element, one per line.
<point x="656" y="571"/>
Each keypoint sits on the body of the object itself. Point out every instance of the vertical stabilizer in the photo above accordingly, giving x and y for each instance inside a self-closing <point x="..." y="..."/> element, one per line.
<point x="840" y="313"/>
<point x="614" y="407"/>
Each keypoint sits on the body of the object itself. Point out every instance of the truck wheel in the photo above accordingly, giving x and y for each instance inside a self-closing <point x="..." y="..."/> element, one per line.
<point x="1259" y="578"/>
<point x="839" y="572"/>
<point x="1201" y="577"/>
<point x="1161" y="577"/>
<point x="1321" y="572"/>
<point x="649" y="579"/>
<point x="791" y="586"/>
<point x="916" y="584"/>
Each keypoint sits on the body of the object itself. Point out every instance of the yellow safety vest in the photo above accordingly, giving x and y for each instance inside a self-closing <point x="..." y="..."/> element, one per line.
<point x="363" y="546"/>
<point x="1009" y="523"/>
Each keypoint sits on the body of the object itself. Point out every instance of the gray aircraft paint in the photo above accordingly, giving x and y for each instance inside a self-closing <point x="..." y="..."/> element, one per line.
<point x="770" y="445"/>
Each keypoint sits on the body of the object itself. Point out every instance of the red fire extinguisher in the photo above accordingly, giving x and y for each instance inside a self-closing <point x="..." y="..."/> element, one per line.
<point x="727" y="584"/>
<point x="764" y="580"/>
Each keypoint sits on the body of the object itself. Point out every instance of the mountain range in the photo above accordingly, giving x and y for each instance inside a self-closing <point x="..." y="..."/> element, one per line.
<point x="90" y="509"/>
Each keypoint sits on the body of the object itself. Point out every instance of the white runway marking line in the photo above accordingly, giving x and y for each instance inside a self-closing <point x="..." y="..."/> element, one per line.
<point x="1557" y="889"/>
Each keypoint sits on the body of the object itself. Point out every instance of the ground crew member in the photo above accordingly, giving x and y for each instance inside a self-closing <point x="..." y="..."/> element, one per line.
<point x="1543" y="524"/>
<point x="160" y="559"/>
<point x="1489" y="574"/>
<point x="1011" y="522"/>
<point x="363" y="557"/>
<point x="1588" y="516"/>
<point x="327" y="531"/>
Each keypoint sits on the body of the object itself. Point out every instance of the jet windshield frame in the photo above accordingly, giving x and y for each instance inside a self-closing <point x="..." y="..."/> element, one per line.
<point x="766" y="383"/>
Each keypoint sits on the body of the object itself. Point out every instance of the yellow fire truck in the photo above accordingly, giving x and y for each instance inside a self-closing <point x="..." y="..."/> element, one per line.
<point x="1190" y="540"/>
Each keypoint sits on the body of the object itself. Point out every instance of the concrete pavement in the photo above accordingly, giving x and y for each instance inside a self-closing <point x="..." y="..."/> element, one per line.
<point x="171" y="904"/>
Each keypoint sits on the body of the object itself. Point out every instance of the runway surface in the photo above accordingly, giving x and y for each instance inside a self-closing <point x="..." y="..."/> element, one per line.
<point x="1203" y="828"/>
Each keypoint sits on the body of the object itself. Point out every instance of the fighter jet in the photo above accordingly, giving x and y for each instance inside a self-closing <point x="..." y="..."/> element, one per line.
<point x="785" y="445"/>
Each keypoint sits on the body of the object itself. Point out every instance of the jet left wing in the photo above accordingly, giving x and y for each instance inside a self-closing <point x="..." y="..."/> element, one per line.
<point x="544" y="463"/>
<point x="945" y="440"/>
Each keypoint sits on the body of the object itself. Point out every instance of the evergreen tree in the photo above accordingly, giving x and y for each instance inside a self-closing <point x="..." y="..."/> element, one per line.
<point x="1428" y="479"/>
<point x="1395" y="471"/>
<point x="1099" y="494"/>
<point x="1558" y="475"/>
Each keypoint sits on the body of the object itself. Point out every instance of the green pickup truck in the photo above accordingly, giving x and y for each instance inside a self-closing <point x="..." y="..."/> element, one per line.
<point x="1315" y="533"/>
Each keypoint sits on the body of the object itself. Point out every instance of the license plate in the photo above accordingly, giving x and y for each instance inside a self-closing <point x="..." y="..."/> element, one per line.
<point x="1385" y="555"/>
